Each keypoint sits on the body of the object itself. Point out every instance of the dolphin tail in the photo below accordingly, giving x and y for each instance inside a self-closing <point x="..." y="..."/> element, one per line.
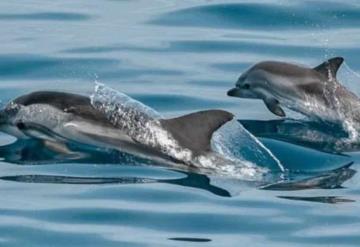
<point x="194" y="131"/>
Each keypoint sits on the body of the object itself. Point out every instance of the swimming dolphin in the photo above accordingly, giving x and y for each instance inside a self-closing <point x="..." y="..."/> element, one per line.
<point x="58" y="117"/>
<point x="314" y="92"/>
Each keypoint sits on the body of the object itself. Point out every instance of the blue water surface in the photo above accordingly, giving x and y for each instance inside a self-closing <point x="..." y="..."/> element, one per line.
<point x="176" y="57"/>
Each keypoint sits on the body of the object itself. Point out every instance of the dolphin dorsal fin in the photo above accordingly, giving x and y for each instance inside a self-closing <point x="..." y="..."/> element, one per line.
<point x="194" y="131"/>
<point x="330" y="67"/>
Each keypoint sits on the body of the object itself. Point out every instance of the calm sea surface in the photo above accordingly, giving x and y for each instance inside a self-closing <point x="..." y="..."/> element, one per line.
<point x="177" y="57"/>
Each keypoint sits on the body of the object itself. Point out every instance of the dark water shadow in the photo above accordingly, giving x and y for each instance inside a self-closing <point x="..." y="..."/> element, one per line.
<point x="195" y="240"/>
<point x="192" y="180"/>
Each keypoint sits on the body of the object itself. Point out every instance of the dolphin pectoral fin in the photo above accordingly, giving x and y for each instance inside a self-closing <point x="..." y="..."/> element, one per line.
<point x="62" y="151"/>
<point x="38" y="131"/>
<point x="51" y="140"/>
<point x="330" y="67"/>
<point x="57" y="147"/>
<point x="194" y="131"/>
<point x="273" y="105"/>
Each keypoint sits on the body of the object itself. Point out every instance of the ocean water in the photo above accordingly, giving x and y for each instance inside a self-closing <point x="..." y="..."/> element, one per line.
<point x="176" y="57"/>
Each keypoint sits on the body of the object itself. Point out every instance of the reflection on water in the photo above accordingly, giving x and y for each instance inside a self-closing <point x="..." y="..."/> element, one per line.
<point x="324" y="199"/>
<point x="327" y="180"/>
<point x="47" y="179"/>
<point x="21" y="152"/>
<point x="191" y="239"/>
<point x="331" y="139"/>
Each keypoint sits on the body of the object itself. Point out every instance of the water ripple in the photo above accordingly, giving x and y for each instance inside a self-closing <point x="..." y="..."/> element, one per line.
<point x="20" y="66"/>
<point x="45" y="16"/>
<point x="261" y="16"/>
<point x="179" y="102"/>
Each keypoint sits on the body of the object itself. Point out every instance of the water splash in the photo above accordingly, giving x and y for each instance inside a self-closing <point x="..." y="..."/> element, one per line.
<point x="349" y="78"/>
<point x="236" y="152"/>
<point x="335" y="111"/>
<point x="344" y="110"/>
<point x="114" y="98"/>
<point x="233" y="140"/>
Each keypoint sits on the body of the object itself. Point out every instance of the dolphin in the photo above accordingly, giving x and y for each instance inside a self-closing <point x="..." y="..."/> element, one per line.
<point x="313" y="92"/>
<point x="59" y="117"/>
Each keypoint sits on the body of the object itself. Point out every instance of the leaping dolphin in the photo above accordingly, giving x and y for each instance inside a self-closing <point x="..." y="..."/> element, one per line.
<point x="58" y="117"/>
<point x="314" y="92"/>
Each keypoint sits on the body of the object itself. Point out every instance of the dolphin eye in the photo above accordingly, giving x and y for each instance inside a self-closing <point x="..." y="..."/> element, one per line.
<point x="20" y="125"/>
<point x="246" y="86"/>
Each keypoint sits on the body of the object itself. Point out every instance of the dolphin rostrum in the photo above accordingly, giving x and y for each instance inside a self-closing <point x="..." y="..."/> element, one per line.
<point x="314" y="92"/>
<point x="58" y="117"/>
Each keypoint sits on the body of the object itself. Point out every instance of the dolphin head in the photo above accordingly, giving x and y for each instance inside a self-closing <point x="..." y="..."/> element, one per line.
<point x="260" y="82"/>
<point x="247" y="85"/>
<point x="267" y="78"/>
<point x="284" y="83"/>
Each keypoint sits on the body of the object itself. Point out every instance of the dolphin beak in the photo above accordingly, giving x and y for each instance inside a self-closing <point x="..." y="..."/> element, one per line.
<point x="234" y="92"/>
<point x="241" y="93"/>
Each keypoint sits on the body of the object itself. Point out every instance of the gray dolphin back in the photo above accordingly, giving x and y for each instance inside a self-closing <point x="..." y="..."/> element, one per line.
<point x="194" y="131"/>
<point x="59" y="100"/>
<point x="67" y="102"/>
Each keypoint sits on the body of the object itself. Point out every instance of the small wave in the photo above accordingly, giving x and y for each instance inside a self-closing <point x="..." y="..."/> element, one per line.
<point x="45" y="16"/>
<point x="246" y="16"/>
<point x="39" y="67"/>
